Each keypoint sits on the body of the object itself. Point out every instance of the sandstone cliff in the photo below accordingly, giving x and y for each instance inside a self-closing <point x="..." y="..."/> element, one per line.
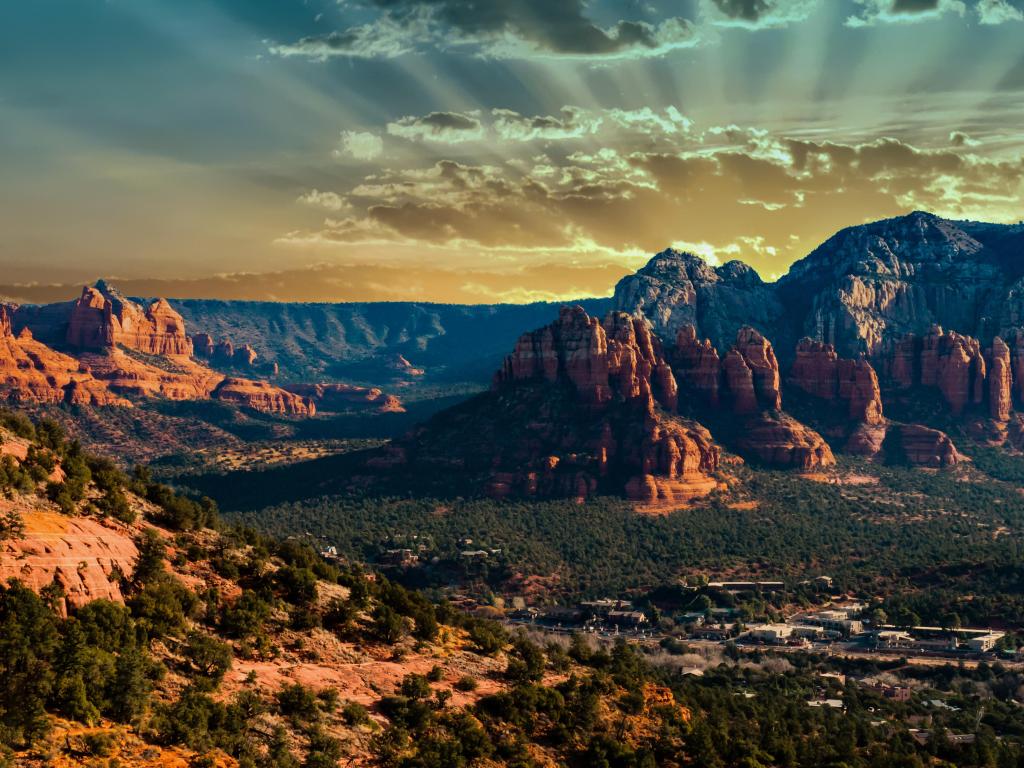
<point x="579" y="407"/>
<point x="31" y="372"/>
<point x="103" y="319"/>
<point x="819" y="371"/>
<point x="347" y="397"/>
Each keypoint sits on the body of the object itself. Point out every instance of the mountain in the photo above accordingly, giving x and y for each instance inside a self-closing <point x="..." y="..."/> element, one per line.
<point x="866" y="286"/>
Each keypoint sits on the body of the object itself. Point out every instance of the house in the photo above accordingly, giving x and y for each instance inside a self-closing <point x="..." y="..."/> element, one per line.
<point x="984" y="643"/>
<point x="889" y="639"/>
<point x="773" y="634"/>
<point x="604" y="606"/>
<point x="627" y="618"/>
<point x="710" y="632"/>
<point x="399" y="557"/>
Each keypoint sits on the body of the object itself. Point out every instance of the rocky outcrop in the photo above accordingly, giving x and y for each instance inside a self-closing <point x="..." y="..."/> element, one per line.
<point x="875" y="282"/>
<point x="617" y="358"/>
<point x="347" y="397"/>
<point x="1000" y="381"/>
<point x="580" y="406"/>
<point x="263" y="397"/>
<point x="759" y="357"/>
<point x="84" y="556"/>
<point x="677" y="289"/>
<point x="779" y="440"/>
<point x="746" y="378"/>
<point x="924" y="447"/>
<point x="31" y="372"/>
<point x="820" y="372"/>
<point x="103" y="319"/>
<point x="955" y="365"/>
<point x="223" y="352"/>
<point x="698" y="365"/>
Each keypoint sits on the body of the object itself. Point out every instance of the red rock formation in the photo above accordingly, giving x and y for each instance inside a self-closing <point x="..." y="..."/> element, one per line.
<point x="818" y="371"/>
<point x="617" y="358"/>
<point x="400" y="365"/>
<point x="781" y="441"/>
<point x="347" y="397"/>
<point x="580" y="406"/>
<point x="245" y="355"/>
<point x="925" y="447"/>
<point x="32" y="372"/>
<point x="261" y="396"/>
<point x="739" y="382"/>
<point x="83" y="555"/>
<point x="858" y="385"/>
<point x="203" y="345"/>
<point x="760" y="358"/>
<point x="102" y="319"/>
<point x="1000" y="381"/>
<point x="904" y="362"/>
<point x="952" y="362"/>
<point x="697" y="365"/>
<point x="1015" y="340"/>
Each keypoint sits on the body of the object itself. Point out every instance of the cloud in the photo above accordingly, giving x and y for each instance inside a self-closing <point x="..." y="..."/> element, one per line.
<point x="903" y="11"/>
<point x="571" y="123"/>
<point x="736" y="192"/>
<point x="330" y="201"/>
<point x="961" y="139"/>
<point x="650" y="122"/>
<point x="360" y="145"/>
<point x="446" y="127"/>
<point x="757" y="14"/>
<point x="384" y="38"/>
<point x="507" y="29"/>
<point x="997" y="12"/>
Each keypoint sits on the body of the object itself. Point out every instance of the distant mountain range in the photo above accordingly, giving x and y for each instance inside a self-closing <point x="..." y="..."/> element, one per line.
<point x="879" y="318"/>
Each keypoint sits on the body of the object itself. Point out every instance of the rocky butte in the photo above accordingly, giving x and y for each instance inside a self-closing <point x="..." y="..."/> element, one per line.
<point x="581" y="406"/>
<point x="122" y="350"/>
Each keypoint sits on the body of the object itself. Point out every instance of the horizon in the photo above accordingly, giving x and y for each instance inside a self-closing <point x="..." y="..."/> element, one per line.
<point x="42" y="294"/>
<point x="428" y="150"/>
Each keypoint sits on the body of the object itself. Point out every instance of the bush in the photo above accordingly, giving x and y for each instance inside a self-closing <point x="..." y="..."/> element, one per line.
<point x="466" y="684"/>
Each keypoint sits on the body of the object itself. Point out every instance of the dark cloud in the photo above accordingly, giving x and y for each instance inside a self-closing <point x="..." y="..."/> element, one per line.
<point x="749" y="10"/>
<point x="448" y="127"/>
<point x="572" y="123"/>
<point x="914" y="6"/>
<point x="500" y="28"/>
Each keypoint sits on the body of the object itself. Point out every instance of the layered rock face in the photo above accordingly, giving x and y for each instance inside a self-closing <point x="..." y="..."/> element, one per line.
<point x="102" y="319"/>
<point x="925" y="447"/>
<point x="861" y="290"/>
<point x="819" y="371"/>
<point x="81" y="554"/>
<point x="580" y="406"/>
<point x="677" y="289"/>
<point x="617" y="358"/>
<point x="263" y="397"/>
<point x="125" y="351"/>
<point x="347" y="397"/>
<point x="31" y="372"/>
<point x="698" y="365"/>
<point x="782" y="441"/>
<point x="746" y="378"/>
<point x="957" y="367"/>
<point x="747" y="383"/>
<point x="882" y="280"/>
<point x="223" y="352"/>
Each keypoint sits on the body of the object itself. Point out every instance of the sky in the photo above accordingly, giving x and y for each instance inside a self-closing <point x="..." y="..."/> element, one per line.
<point x="484" y="151"/>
